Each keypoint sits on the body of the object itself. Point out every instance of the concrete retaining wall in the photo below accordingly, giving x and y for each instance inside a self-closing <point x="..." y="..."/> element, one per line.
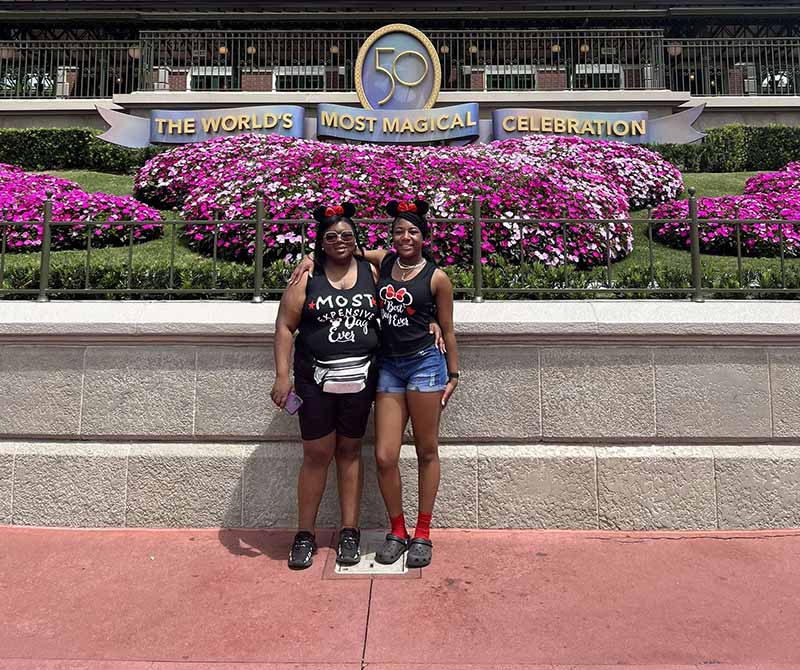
<point x="605" y="414"/>
<point x="484" y="486"/>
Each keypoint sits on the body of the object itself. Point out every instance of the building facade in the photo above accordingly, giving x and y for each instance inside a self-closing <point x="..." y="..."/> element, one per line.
<point x="58" y="59"/>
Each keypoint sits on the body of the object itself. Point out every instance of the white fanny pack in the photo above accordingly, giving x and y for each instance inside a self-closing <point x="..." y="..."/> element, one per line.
<point x="343" y="375"/>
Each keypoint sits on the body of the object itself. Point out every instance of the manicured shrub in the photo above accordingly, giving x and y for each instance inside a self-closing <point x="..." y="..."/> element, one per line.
<point x="736" y="148"/>
<point x="68" y="149"/>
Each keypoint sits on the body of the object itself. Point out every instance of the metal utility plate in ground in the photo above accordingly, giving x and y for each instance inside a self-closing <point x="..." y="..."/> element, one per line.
<point x="367" y="567"/>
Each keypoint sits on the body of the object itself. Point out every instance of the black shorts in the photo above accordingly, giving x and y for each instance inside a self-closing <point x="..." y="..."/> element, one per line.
<point x="322" y="413"/>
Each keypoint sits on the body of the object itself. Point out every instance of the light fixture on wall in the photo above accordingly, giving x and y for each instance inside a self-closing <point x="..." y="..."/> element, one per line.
<point x="444" y="49"/>
<point x="584" y="48"/>
<point x="334" y="49"/>
<point x="135" y="53"/>
<point x="674" y="50"/>
<point x="555" y="48"/>
<point x="473" y="49"/>
<point x="223" y="50"/>
<point x="251" y="50"/>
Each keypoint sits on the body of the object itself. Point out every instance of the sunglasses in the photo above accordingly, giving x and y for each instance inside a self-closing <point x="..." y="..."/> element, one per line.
<point x="346" y="236"/>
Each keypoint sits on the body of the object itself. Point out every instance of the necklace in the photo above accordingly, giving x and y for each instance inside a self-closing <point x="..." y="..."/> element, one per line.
<point x="410" y="267"/>
<point x="406" y="269"/>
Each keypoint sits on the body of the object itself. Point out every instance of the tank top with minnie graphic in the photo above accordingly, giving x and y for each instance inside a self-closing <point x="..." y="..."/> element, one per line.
<point x="407" y="309"/>
<point x="339" y="323"/>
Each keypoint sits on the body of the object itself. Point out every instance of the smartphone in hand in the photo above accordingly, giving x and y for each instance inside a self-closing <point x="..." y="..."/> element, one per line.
<point x="293" y="402"/>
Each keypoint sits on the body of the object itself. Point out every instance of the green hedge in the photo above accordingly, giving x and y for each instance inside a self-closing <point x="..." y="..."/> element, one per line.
<point x="111" y="273"/>
<point x="68" y="149"/>
<point x="736" y="148"/>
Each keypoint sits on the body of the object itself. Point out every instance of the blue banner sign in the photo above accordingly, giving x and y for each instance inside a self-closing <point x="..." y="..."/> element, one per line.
<point x="458" y="123"/>
<point x="631" y="127"/>
<point x="169" y="126"/>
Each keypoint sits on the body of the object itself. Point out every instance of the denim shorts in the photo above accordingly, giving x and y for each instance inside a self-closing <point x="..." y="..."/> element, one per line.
<point x="425" y="371"/>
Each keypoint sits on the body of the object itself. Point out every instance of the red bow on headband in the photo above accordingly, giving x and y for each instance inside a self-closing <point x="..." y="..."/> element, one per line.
<point x="398" y="295"/>
<point x="334" y="211"/>
<point x="407" y="207"/>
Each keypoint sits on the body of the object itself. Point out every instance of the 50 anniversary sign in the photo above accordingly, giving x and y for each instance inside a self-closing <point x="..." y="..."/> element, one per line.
<point x="398" y="76"/>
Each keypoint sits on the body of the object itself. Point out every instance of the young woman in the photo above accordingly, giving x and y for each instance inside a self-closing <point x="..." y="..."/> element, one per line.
<point x="336" y="312"/>
<point x="416" y="377"/>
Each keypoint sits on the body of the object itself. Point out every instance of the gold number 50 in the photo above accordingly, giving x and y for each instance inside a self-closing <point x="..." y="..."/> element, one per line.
<point x="392" y="74"/>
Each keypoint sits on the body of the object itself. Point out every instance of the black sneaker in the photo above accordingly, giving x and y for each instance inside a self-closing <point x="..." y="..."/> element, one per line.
<point x="349" y="550"/>
<point x="302" y="552"/>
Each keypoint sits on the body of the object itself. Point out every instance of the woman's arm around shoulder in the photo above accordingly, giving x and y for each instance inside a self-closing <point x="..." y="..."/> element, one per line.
<point x="374" y="256"/>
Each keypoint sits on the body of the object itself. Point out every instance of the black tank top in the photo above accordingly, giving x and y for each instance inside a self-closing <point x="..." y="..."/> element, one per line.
<point x="407" y="309"/>
<point x="338" y="323"/>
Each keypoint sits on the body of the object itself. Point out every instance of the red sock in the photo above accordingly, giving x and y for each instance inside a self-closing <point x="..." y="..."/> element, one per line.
<point x="399" y="525"/>
<point x="423" y="529"/>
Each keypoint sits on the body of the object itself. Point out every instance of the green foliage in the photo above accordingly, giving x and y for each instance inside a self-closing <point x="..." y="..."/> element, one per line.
<point x="727" y="149"/>
<point x="736" y="148"/>
<point x="685" y="157"/>
<point x="149" y="275"/>
<point x="772" y="147"/>
<point x="111" y="272"/>
<point x="68" y="148"/>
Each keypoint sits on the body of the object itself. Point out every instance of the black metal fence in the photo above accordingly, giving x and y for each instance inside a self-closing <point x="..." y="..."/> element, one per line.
<point x="480" y="60"/>
<point x="50" y="69"/>
<point x="710" y="67"/>
<point x="470" y="286"/>
<point x="470" y="60"/>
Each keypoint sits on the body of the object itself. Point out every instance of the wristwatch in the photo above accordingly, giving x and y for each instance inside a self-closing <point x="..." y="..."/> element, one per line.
<point x="453" y="375"/>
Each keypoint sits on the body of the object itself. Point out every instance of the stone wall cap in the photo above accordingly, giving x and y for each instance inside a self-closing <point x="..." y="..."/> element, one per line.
<point x="518" y="319"/>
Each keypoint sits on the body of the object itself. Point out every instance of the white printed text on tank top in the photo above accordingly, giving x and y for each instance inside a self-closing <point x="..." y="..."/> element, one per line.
<point x="345" y="316"/>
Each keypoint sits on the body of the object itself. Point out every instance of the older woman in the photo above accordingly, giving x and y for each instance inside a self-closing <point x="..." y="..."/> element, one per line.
<point x="335" y="312"/>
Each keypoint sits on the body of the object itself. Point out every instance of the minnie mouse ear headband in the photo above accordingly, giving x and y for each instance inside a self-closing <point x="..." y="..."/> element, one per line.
<point x="346" y="209"/>
<point x="416" y="209"/>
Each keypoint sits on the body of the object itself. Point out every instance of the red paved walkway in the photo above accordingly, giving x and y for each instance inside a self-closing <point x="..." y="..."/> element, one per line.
<point x="152" y="600"/>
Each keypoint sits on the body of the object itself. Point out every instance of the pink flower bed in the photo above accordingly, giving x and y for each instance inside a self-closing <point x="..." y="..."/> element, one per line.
<point x="509" y="188"/>
<point x="787" y="179"/>
<point x="166" y="179"/>
<point x="645" y="177"/>
<point x="22" y="198"/>
<point x="534" y="179"/>
<point x="777" y="213"/>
